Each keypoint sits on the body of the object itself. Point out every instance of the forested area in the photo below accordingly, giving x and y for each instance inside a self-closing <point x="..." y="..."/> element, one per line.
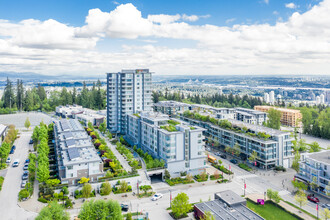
<point x="216" y="100"/>
<point x="316" y="121"/>
<point x="17" y="98"/>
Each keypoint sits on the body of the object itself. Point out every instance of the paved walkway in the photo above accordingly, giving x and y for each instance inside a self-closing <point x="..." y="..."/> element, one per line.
<point x="120" y="157"/>
<point x="284" y="205"/>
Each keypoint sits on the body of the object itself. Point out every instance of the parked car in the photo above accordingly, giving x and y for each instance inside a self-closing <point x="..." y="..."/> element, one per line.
<point x="31" y="141"/>
<point x="27" y="161"/>
<point x="124" y="207"/>
<point x="326" y="206"/>
<point x="12" y="151"/>
<point x="312" y="198"/>
<point x="157" y="196"/>
<point x="23" y="184"/>
<point x="8" y="160"/>
<point x="25" y="175"/>
<point x="233" y="161"/>
<point x="26" y="167"/>
<point x="16" y="163"/>
<point x="217" y="154"/>
<point x="13" y="147"/>
<point x="224" y="156"/>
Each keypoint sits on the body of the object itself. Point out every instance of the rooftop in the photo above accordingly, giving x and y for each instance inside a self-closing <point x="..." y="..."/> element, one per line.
<point x="280" y="109"/>
<point x="323" y="156"/>
<point x="220" y="210"/>
<point x="76" y="155"/>
<point x="257" y="128"/>
<point x="171" y="104"/>
<point x="230" y="197"/>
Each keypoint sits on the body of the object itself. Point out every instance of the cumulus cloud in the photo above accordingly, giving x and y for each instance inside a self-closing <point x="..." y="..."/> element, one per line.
<point x="290" y="5"/>
<point x="299" y="45"/>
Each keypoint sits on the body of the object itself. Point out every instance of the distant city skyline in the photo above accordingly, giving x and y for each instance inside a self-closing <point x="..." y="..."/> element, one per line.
<point x="259" y="37"/>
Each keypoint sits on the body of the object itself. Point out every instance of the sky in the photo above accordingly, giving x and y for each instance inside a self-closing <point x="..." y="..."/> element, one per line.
<point x="192" y="37"/>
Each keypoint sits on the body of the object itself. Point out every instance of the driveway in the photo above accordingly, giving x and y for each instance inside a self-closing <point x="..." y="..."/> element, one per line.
<point x="12" y="185"/>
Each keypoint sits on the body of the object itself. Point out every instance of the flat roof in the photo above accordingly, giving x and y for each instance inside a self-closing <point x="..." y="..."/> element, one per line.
<point x="323" y="156"/>
<point x="280" y="109"/>
<point x="221" y="211"/>
<point x="230" y="197"/>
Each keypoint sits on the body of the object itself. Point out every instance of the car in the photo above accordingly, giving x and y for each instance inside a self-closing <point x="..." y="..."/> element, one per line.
<point x="224" y="156"/>
<point x="157" y="196"/>
<point x="8" y="160"/>
<point x="13" y="147"/>
<point x="124" y="207"/>
<point x="233" y="161"/>
<point x="12" y="151"/>
<point x="31" y="141"/>
<point x="25" y="175"/>
<point x="26" y="167"/>
<point x="326" y="206"/>
<point x="16" y="163"/>
<point x="27" y="161"/>
<point x="312" y="198"/>
<point x="217" y="154"/>
<point x="23" y="184"/>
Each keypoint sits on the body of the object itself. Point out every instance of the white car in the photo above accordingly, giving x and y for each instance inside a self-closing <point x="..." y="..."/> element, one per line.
<point x="157" y="196"/>
<point x="16" y="163"/>
<point x="23" y="184"/>
<point x="8" y="160"/>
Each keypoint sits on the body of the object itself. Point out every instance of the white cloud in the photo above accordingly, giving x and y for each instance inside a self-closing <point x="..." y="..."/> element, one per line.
<point x="189" y="17"/>
<point x="298" y="45"/>
<point x="230" y="20"/>
<point x="290" y="5"/>
<point x="266" y="2"/>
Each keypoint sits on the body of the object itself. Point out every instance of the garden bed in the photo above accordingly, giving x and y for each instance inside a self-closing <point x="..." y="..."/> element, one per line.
<point x="178" y="180"/>
<point x="245" y="167"/>
<point x="222" y="168"/>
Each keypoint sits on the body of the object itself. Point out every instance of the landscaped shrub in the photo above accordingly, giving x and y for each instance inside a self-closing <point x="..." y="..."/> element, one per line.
<point x="42" y="200"/>
<point x="222" y="181"/>
<point x="178" y="180"/>
<point x="202" y="177"/>
<point x="245" y="167"/>
<point x="23" y="194"/>
<point x="222" y="168"/>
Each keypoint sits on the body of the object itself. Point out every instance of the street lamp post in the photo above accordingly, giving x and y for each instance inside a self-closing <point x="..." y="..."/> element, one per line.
<point x="244" y="187"/>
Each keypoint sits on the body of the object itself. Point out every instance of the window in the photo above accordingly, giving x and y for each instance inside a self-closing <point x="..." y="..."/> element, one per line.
<point x="70" y="167"/>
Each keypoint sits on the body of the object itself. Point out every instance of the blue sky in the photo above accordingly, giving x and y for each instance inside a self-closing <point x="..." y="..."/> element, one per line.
<point x="73" y="12"/>
<point x="169" y="37"/>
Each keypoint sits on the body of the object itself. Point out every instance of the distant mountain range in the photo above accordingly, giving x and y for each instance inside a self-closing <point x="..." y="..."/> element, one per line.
<point x="30" y="76"/>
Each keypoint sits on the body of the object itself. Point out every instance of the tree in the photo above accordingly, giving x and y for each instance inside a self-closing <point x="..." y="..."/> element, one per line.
<point x="253" y="157"/>
<point x="65" y="190"/>
<point x="325" y="214"/>
<point x="27" y="123"/>
<point x="53" y="211"/>
<point x="327" y="189"/>
<point x="167" y="175"/>
<point x="302" y="145"/>
<point x="237" y="149"/>
<point x="123" y="187"/>
<point x="299" y="185"/>
<point x="274" y="119"/>
<point x="189" y="177"/>
<point x="276" y="197"/>
<point x="270" y="194"/>
<point x="86" y="190"/>
<point x="313" y="184"/>
<point x="100" y="209"/>
<point x="314" y="147"/>
<point x="180" y="205"/>
<point x="53" y="182"/>
<point x="83" y="180"/>
<point x="208" y="216"/>
<point x="106" y="188"/>
<point x="42" y="172"/>
<point x="295" y="162"/>
<point x="102" y="127"/>
<point x="129" y="216"/>
<point x="204" y="176"/>
<point x="300" y="198"/>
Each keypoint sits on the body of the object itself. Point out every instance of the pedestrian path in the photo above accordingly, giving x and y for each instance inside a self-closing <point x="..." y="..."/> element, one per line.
<point x="120" y="157"/>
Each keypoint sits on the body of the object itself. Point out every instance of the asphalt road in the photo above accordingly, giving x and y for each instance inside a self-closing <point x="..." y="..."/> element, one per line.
<point x="9" y="208"/>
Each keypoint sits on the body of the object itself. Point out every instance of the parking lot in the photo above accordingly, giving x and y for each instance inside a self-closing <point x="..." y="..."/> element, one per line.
<point x="19" y="119"/>
<point x="12" y="185"/>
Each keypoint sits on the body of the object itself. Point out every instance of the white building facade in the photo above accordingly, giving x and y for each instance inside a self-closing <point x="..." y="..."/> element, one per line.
<point x="180" y="145"/>
<point x="128" y="92"/>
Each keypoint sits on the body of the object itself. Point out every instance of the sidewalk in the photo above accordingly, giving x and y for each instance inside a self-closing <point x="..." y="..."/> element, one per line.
<point x="120" y="157"/>
<point x="284" y="205"/>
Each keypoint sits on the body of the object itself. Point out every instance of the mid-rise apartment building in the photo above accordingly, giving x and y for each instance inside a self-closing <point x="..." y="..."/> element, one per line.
<point x="274" y="147"/>
<point x="289" y="117"/>
<point x="179" y="144"/>
<point x="128" y="92"/>
<point x="75" y="153"/>
<point x="316" y="165"/>
<point x="171" y="108"/>
<point x="84" y="115"/>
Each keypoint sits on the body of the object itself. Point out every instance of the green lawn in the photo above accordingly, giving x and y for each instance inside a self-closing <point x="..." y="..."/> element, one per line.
<point x="269" y="211"/>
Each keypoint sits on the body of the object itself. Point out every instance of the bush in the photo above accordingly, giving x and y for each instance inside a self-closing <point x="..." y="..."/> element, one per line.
<point x="23" y="194"/>
<point x="222" y="181"/>
<point x="1" y="181"/>
<point x="222" y="168"/>
<point x="68" y="204"/>
<point x="244" y="166"/>
<point x="280" y="168"/>
<point x="178" y="180"/>
<point x="42" y="200"/>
